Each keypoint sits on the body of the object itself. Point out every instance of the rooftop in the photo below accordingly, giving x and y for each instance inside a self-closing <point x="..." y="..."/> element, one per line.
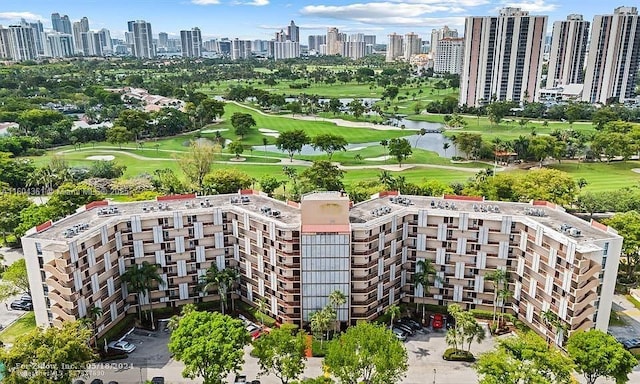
<point x="92" y="217"/>
<point x="554" y="218"/>
<point x="549" y="215"/>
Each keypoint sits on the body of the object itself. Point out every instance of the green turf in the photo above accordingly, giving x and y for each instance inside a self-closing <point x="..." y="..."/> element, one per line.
<point x="603" y="176"/>
<point x="21" y="326"/>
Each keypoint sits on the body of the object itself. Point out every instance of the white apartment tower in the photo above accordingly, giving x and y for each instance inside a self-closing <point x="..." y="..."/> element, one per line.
<point x="412" y="45"/>
<point x="333" y="41"/>
<point x="614" y="56"/>
<point x="568" y="49"/>
<point x="58" y="45"/>
<point x="80" y="27"/>
<point x="286" y="50"/>
<point x="449" y="56"/>
<point x="22" y="43"/>
<point x="191" y="42"/>
<point x="503" y="57"/>
<point x="394" y="48"/>
<point x="142" y="36"/>
<point x="439" y="34"/>
<point x="293" y="32"/>
<point x="240" y="49"/>
<point x="353" y="49"/>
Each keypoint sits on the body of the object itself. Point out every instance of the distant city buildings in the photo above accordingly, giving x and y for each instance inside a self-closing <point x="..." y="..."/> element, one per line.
<point x="293" y="32"/>
<point x="191" y="41"/>
<point x="567" y="52"/>
<point x="394" y="48"/>
<point x="240" y="49"/>
<point x="449" y="56"/>
<point x="503" y="57"/>
<point x="440" y="34"/>
<point x="412" y="45"/>
<point x="142" y="39"/>
<point x="333" y="41"/>
<point x="614" y="57"/>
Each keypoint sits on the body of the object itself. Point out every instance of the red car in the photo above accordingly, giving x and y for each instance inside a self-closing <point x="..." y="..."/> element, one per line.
<point x="437" y="322"/>
<point x="256" y="334"/>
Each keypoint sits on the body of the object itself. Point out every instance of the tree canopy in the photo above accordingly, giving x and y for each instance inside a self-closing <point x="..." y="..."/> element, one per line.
<point x="367" y="353"/>
<point x="281" y="352"/>
<point x="292" y="141"/>
<point x="209" y="344"/>
<point x="597" y="354"/>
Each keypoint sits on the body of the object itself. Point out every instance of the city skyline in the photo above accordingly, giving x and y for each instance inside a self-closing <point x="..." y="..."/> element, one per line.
<point x="260" y="19"/>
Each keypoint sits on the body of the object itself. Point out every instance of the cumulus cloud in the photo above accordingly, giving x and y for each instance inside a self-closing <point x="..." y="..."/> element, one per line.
<point x="255" y="3"/>
<point x="16" y="16"/>
<point x="205" y="2"/>
<point x="534" y="6"/>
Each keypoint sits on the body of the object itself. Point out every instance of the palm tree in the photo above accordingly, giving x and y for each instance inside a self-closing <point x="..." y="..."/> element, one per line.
<point x="445" y="146"/>
<point x="386" y="179"/>
<point x="336" y="299"/>
<point x="421" y="132"/>
<point x="265" y="141"/>
<point x="424" y="276"/>
<point x="261" y="309"/>
<point x="320" y="322"/>
<point x="95" y="313"/>
<point x="503" y="295"/>
<point x="132" y="277"/>
<point x="474" y="332"/>
<point x="226" y="278"/>
<point x="150" y="278"/>
<point x="393" y="311"/>
<point x="497" y="277"/>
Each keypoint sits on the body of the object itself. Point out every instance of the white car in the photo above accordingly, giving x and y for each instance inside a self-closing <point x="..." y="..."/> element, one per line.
<point x="122" y="345"/>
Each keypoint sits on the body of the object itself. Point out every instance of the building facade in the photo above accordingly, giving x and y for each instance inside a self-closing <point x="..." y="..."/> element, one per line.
<point x="333" y="41"/>
<point x="503" y="57"/>
<point x="567" y="53"/>
<point x="293" y="255"/>
<point x="21" y="43"/>
<point x="58" y="45"/>
<point x="353" y="49"/>
<point x="449" y="56"/>
<point x="614" y="57"/>
<point x="395" y="48"/>
<point x="293" y="32"/>
<point x="240" y="49"/>
<point x="142" y="39"/>
<point x="286" y="50"/>
<point x="412" y="45"/>
<point x="191" y="42"/>
<point x="439" y="34"/>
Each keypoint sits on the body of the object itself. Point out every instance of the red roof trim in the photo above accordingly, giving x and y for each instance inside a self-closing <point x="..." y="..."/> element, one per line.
<point x="599" y="225"/>
<point x="93" y="204"/>
<point x="247" y="192"/>
<point x="44" y="226"/>
<point x="293" y="204"/>
<point x="176" y="197"/>
<point x="464" y="198"/>
<point x="388" y="193"/>
<point x="544" y="204"/>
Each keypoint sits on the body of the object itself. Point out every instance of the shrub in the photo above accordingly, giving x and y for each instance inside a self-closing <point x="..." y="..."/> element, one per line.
<point x="488" y="315"/>
<point x="319" y="349"/>
<point x="453" y="354"/>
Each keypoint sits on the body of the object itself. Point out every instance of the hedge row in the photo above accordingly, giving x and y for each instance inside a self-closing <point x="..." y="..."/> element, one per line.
<point x="453" y="354"/>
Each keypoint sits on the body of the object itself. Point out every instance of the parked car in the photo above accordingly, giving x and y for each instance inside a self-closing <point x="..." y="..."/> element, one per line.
<point x="22" y="305"/>
<point x="257" y="334"/>
<point x="240" y="379"/>
<point x="405" y="327"/>
<point x="437" y="322"/>
<point x="122" y="345"/>
<point x="412" y="323"/>
<point x="157" y="380"/>
<point x="632" y="343"/>
<point x="399" y="333"/>
<point x="251" y="328"/>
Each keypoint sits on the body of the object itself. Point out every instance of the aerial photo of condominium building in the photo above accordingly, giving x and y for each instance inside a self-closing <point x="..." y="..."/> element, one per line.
<point x="293" y="255"/>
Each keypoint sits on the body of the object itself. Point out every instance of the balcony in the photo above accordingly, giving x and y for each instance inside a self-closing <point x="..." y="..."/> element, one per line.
<point x="62" y="314"/>
<point x="57" y="273"/>
<point x="55" y="284"/>
<point x="69" y="304"/>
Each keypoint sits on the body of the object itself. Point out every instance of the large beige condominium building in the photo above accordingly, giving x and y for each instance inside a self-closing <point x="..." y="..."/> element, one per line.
<point x="440" y="34"/>
<point x="294" y="255"/>
<point x="614" y="57"/>
<point x="449" y="56"/>
<point x="503" y="57"/>
<point x="568" y="49"/>
<point x="412" y="45"/>
<point x="394" y="48"/>
<point x="333" y="41"/>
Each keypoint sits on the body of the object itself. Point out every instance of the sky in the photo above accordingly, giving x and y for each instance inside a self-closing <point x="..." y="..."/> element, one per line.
<point x="260" y="19"/>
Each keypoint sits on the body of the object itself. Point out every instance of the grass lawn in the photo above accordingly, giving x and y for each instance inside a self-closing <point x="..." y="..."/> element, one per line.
<point x="602" y="176"/>
<point x="509" y="129"/>
<point x="21" y="326"/>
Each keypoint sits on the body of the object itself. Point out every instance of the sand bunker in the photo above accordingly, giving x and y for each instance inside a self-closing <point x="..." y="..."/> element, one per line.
<point x="379" y="158"/>
<point x="214" y="130"/>
<point x="356" y="149"/>
<point x="265" y="130"/>
<point x="102" y="158"/>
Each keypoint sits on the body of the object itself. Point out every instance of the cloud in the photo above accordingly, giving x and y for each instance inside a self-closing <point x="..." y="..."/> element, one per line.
<point x="255" y="3"/>
<point x="534" y="6"/>
<point x="16" y="16"/>
<point x="205" y="2"/>
<point x="393" y="12"/>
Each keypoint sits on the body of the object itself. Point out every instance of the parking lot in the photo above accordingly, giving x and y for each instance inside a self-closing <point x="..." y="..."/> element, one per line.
<point x="152" y="358"/>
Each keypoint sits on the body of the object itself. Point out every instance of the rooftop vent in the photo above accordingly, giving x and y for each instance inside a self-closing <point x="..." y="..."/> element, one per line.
<point x="108" y="211"/>
<point x="240" y="200"/>
<point x="206" y="203"/>
<point x="73" y="231"/>
<point x="443" y="205"/>
<point x="567" y="229"/>
<point x="538" y="212"/>
<point x="401" y="200"/>
<point x="381" y="211"/>
<point x="488" y="208"/>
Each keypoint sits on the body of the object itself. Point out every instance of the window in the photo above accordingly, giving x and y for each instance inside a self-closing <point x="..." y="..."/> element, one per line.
<point x="39" y="248"/>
